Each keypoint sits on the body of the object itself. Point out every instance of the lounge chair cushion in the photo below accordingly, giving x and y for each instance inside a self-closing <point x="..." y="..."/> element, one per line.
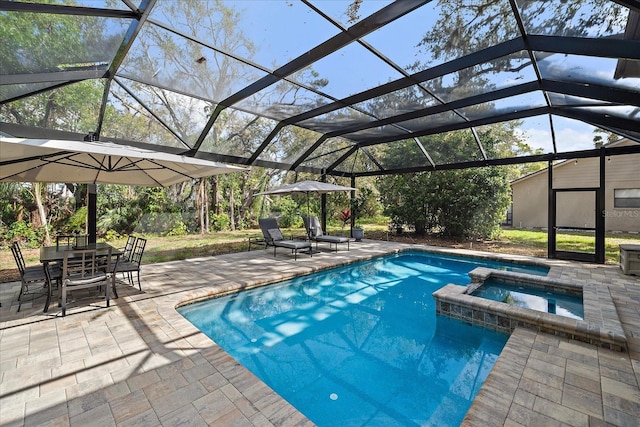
<point x="275" y="234"/>
<point x="316" y="232"/>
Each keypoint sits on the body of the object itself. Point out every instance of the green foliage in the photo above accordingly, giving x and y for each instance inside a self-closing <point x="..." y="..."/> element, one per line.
<point x="220" y="222"/>
<point x="111" y="235"/>
<point x="24" y="233"/>
<point x="77" y="222"/>
<point x="287" y="211"/>
<point x="178" y="229"/>
<point x="461" y="203"/>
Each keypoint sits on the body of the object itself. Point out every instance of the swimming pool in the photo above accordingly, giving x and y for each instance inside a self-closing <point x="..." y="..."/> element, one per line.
<point x="360" y="344"/>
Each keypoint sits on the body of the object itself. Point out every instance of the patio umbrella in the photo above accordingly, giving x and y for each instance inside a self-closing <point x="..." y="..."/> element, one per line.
<point x="91" y="162"/>
<point x="307" y="187"/>
<point x="49" y="160"/>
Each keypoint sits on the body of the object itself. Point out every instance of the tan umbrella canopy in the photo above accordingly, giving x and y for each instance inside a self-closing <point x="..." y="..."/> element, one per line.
<point x="82" y="162"/>
<point x="91" y="162"/>
<point x="307" y="187"/>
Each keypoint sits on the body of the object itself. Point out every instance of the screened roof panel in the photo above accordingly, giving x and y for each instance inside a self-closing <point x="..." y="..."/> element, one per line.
<point x="266" y="32"/>
<point x="287" y="146"/>
<point x="534" y="131"/>
<point x="79" y="104"/>
<point x="399" y="154"/>
<point x="337" y="120"/>
<point x="358" y="162"/>
<point x="350" y="70"/>
<point x="8" y="92"/>
<point x="504" y="72"/>
<point x="162" y="58"/>
<point x="622" y="111"/>
<point x="405" y="100"/>
<point x="237" y="133"/>
<point x="401" y="130"/>
<point x="562" y="100"/>
<point x="328" y="153"/>
<point x="346" y="13"/>
<point x="573" y="135"/>
<point x="184" y="116"/>
<point x="341" y="85"/>
<point x="584" y="69"/>
<point x="283" y="100"/>
<point x="432" y="121"/>
<point x="451" y="147"/>
<point x="472" y="26"/>
<point x="126" y="118"/>
<point x="49" y="43"/>
<point x="502" y="106"/>
<point x="103" y="4"/>
<point x="586" y="18"/>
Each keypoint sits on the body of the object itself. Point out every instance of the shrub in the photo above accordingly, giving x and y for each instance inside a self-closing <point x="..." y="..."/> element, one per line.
<point x="220" y="222"/>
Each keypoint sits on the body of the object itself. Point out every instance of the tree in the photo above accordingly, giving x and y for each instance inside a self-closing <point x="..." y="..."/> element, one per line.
<point x="460" y="203"/>
<point x="603" y="136"/>
<point x="456" y="203"/>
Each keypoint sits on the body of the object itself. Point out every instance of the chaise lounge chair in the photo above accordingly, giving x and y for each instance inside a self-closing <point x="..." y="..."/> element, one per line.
<point x="273" y="237"/>
<point x="315" y="233"/>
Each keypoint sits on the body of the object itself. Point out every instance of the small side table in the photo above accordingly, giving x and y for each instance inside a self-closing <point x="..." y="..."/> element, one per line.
<point x="630" y="259"/>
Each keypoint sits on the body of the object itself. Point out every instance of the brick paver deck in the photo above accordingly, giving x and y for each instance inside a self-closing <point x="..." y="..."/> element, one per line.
<point x="140" y="363"/>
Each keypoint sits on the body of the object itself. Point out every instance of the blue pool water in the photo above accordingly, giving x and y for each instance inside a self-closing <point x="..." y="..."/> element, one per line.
<point x="555" y="302"/>
<point x="360" y="344"/>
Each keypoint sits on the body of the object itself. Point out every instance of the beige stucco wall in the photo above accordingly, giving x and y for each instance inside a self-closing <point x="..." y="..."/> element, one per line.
<point x="575" y="209"/>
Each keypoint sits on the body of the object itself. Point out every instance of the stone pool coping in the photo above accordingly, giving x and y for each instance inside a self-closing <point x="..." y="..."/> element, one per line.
<point x="234" y="287"/>
<point x="601" y="325"/>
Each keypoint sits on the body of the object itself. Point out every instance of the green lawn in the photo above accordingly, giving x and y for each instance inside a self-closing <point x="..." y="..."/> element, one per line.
<point x="571" y="241"/>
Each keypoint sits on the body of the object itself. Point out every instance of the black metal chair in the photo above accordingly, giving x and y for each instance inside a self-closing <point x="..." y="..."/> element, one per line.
<point x="84" y="269"/>
<point x="72" y="240"/>
<point x="133" y="263"/>
<point x="36" y="280"/>
<point x="128" y="248"/>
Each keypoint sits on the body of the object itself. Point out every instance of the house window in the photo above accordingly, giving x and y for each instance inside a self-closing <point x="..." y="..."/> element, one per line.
<point x="626" y="198"/>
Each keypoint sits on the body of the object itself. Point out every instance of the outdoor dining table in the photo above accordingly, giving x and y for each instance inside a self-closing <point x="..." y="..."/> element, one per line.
<point x="49" y="254"/>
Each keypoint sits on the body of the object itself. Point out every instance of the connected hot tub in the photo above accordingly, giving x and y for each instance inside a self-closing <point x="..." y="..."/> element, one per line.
<point x="554" y="300"/>
<point x="599" y="323"/>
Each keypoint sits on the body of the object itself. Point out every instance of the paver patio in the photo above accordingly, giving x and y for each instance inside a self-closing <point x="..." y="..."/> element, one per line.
<point x="141" y="363"/>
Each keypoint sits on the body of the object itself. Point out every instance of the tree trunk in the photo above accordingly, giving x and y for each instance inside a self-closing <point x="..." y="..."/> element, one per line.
<point x="205" y="205"/>
<point x="37" y="196"/>
<point x="200" y="204"/>
<point x="215" y="191"/>
<point x="232" y="214"/>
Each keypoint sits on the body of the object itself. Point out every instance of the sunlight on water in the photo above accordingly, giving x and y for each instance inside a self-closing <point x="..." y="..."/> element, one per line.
<point x="359" y="344"/>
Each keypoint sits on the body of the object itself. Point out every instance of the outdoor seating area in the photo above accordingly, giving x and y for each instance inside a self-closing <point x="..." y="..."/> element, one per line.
<point x="140" y="362"/>
<point x="457" y="121"/>
<point x="72" y="268"/>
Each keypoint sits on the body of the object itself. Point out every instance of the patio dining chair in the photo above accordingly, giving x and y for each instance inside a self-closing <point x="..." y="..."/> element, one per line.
<point x="128" y="248"/>
<point x="72" y="240"/>
<point x="84" y="269"/>
<point x="35" y="280"/>
<point x="132" y="265"/>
